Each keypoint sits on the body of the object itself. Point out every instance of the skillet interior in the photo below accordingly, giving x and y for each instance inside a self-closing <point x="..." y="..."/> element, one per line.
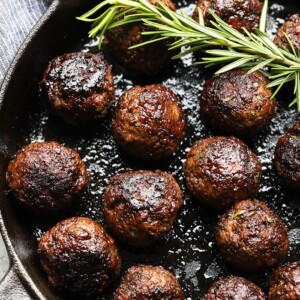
<point x="189" y="250"/>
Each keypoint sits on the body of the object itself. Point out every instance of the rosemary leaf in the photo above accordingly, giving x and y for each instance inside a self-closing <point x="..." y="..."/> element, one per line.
<point x="290" y="43"/>
<point x="235" y="64"/>
<point x="281" y="85"/>
<point x="261" y="65"/>
<point x="264" y="17"/>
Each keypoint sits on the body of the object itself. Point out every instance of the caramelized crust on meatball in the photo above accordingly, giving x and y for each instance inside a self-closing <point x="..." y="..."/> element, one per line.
<point x="234" y="288"/>
<point x="46" y="176"/>
<point x="251" y="237"/>
<point x="79" y="257"/>
<point x="239" y="14"/>
<point x="142" y="60"/>
<point x="78" y="87"/>
<point x="296" y="128"/>
<point x="148" y="282"/>
<point x="291" y="28"/>
<point x="140" y="206"/>
<point x="222" y="170"/>
<point x="238" y="103"/>
<point x="149" y="122"/>
<point x="287" y="157"/>
<point x="285" y="283"/>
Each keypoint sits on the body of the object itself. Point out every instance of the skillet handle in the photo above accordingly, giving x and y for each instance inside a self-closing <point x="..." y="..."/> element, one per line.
<point x="11" y="287"/>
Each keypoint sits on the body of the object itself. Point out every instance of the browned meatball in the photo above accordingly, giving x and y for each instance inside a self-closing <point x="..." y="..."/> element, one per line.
<point x="251" y="237"/>
<point x="46" y="176"/>
<point x="222" y="170"/>
<point x="238" y="103"/>
<point x="291" y="28"/>
<point x="149" y="282"/>
<point x="234" y="288"/>
<point x="239" y="14"/>
<point x="141" y="206"/>
<point x="142" y="60"/>
<point x="285" y="283"/>
<point x="287" y="156"/>
<point x="79" y="257"/>
<point x="78" y="87"/>
<point x="149" y="122"/>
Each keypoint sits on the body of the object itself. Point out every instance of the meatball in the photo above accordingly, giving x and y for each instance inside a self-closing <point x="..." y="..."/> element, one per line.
<point x="291" y="28"/>
<point x="149" y="122"/>
<point x="238" y="103"/>
<point x="148" y="282"/>
<point x="222" y="170"/>
<point x="146" y="60"/>
<point x="287" y="157"/>
<point x="140" y="206"/>
<point x="251" y="237"/>
<point x="46" y="176"/>
<point x="285" y="283"/>
<point x="79" y="257"/>
<point x="78" y="87"/>
<point x="234" y="288"/>
<point x="239" y="14"/>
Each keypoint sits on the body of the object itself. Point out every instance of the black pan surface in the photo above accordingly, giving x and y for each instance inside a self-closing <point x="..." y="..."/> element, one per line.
<point x="189" y="250"/>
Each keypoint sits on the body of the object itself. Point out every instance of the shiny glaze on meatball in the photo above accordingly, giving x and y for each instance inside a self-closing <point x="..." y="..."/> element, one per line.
<point x="287" y="157"/>
<point x="239" y="14"/>
<point x="234" y="288"/>
<point x="222" y="170"/>
<point x="149" y="122"/>
<point x="46" y="176"/>
<point x="78" y="87"/>
<point x="251" y="237"/>
<point x="148" y="59"/>
<point x="285" y="283"/>
<point x="238" y="103"/>
<point x="140" y="206"/>
<point x="291" y="28"/>
<point x="148" y="282"/>
<point x="79" y="257"/>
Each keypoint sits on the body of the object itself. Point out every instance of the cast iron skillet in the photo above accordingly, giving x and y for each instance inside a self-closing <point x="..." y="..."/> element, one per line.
<point x="189" y="250"/>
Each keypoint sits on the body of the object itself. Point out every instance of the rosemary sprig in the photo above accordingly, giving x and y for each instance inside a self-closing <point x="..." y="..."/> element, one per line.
<point x="221" y="44"/>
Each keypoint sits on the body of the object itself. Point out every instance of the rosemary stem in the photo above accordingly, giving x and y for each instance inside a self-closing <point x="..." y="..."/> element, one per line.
<point x="223" y="44"/>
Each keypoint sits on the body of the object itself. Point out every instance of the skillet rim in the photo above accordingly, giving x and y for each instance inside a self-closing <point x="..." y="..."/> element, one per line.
<point x="16" y="267"/>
